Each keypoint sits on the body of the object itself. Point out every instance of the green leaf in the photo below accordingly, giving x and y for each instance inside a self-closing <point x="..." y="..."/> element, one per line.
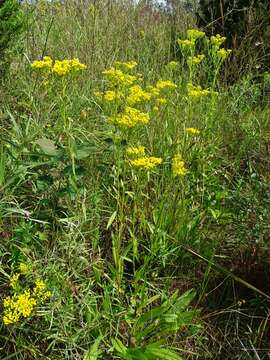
<point x="84" y="150"/>
<point x="111" y="219"/>
<point x="119" y="346"/>
<point x="93" y="352"/>
<point x="47" y="146"/>
<point x="165" y="354"/>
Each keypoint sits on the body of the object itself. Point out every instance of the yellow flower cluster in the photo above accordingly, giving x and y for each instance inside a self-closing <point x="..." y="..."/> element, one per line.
<point x="196" y="91"/>
<point x="217" y="40"/>
<point x="110" y="95"/>
<point x="165" y="85"/>
<point x="195" y="60"/>
<point x="137" y="95"/>
<point x="17" y="307"/>
<point x="186" y="44"/>
<point x="118" y="78"/>
<point x="45" y="63"/>
<point x="128" y="65"/>
<point x="194" y="34"/>
<point x="135" y="151"/>
<point x="146" y="162"/>
<point x="223" y="53"/>
<point x="21" y="305"/>
<point x="59" y="67"/>
<point x="14" y="281"/>
<point x="40" y="292"/>
<point x="193" y="131"/>
<point x="64" y="67"/>
<point x="178" y="166"/>
<point x="24" y="268"/>
<point x="130" y="118"/>
<point x="172" y="65"/>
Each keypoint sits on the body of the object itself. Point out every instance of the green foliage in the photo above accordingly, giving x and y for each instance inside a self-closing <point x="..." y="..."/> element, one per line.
<point x="11" y="29"/>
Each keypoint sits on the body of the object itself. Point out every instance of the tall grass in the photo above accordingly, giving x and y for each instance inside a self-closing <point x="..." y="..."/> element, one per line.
<point x="120" y="248"/>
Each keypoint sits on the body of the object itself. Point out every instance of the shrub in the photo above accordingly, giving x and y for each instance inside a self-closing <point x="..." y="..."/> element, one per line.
<point x="11" y="28"/>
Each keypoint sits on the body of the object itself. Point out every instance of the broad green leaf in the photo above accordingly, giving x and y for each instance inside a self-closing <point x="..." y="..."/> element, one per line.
<point x="162" y="354"/>
<point x="84" y="150"/>
<point x="47" y="146"/>
<point x="93" y="352"/>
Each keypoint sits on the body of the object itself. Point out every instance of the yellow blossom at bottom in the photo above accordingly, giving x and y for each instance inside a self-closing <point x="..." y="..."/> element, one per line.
<point x="146" y="162"/>
<point x="178" y="166"/>
<point x="18" y="306"/>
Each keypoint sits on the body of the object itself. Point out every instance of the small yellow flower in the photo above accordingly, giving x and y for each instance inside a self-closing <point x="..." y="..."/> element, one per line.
<point x="195" y="60"/>
<point x="117" y="77"/>
<point x="178" y="166"/>
<point x="24" y="268"/>
<point x="130" y="118"/>
<point x="111" y="95"/>
<point x="64" y="67"/>
<point x="146" y="162"/>
<point x="186" y="44"/>
<point x="161" y="101"/>
<point x="137" y="95"/>
<point x="193" y="131"/>
<point x="172" y="65"/>
<point x="129" y="65"/>
<point x="135" y="151"/>
<point x="165" y="85"/>
<point x="223" y="53"/>
<point x="45" y="63"/>
<point x="18" y="306"/>
<point x="14" y="281"/>
<point x="194" y="34"/>
<point x="216" y="42"/>
<point x="196" y="91"/>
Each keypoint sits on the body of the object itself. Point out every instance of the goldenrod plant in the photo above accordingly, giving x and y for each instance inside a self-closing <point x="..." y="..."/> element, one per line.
<point x="133" y="190"/>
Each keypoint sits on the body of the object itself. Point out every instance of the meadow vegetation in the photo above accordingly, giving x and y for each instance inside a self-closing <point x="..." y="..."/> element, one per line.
<point x="134" y="187"/>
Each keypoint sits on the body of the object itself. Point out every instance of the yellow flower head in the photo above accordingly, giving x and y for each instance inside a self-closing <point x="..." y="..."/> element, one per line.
<point x="146" y="162"/>
<point x="153" y="91"/>
<point x="129" y="65"/>
<point x="24" y="269"/>
<point x="217" y="41"/>
<point x="19" y="306"/>
<point x="130" y="118"/>
<point x="165" y="85"/>
<point x="186" y="44"/>
<point x="45" y="63"/>
<point x="195" y="60"/>
<point x="14" y="281"/>
<point x="194" y="34"/>
<point x="196" y="91"/>
<point x="137" y="95"/>
<point x="161" y="101"/>
<point x="112" y="95"/>
<point x="178" y="166"/>
<point x="223" y="53"/>
<point x="117" y="77"/>
<point x="135" y="151"/>
<point x="64" y="67"/>
<point x="172" y="65"/>
<point x="193" y="131"/>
